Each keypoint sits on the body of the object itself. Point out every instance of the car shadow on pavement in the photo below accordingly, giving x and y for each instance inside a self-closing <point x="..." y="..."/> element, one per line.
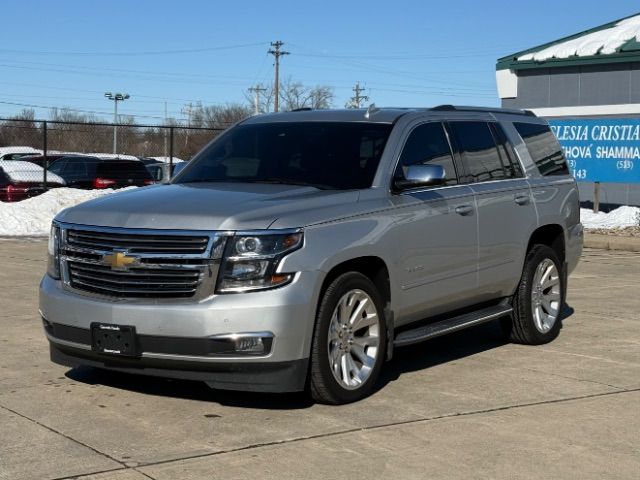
<point x="188" y="390"/>
<point x="448" y="348"/>
<point x="421" y="356"/>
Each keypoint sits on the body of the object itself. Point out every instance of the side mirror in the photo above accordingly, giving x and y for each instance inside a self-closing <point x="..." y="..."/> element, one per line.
<point x="421" y="176"/>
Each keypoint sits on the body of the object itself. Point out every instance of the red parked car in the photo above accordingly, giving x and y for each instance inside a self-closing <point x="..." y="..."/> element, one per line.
<point x="20" y="180"/>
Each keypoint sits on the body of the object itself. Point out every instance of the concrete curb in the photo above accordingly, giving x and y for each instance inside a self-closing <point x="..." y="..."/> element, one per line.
<point x="611" y="242"/>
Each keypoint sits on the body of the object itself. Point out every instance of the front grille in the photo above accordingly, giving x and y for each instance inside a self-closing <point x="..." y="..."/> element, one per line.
<point x="174" y="265"/>
<point x="135" y="282"/>
<point x="107" y="241"/>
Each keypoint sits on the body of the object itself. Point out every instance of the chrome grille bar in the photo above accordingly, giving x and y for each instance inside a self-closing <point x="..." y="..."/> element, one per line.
<point x="137" y="243"/>
<point x="160" y="264"/>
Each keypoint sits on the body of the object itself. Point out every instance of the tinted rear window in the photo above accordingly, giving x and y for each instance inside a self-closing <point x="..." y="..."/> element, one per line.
<point x="118" y="169"/>
<point x="508" y="156"/>
<point x="543" y="148"/>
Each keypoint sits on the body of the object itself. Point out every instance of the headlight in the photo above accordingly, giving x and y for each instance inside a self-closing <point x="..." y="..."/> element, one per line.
<point x="53" y="261"/>
<point x="250" y="261"/>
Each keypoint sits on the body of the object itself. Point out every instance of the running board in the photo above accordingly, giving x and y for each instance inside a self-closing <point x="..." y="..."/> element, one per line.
<point x="450" y="325"/>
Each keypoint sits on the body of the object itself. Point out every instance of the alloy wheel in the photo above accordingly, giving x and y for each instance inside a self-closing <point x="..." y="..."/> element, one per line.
<point x="354" y="339"/>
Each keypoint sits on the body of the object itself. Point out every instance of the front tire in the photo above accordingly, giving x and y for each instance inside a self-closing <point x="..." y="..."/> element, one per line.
<point x="349" y="340"/>
<point x="539" y="299"/>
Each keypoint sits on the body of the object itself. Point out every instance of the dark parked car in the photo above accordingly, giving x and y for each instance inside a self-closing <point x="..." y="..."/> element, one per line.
<point x="93" y="172"/>
<point x="20" y="180"/>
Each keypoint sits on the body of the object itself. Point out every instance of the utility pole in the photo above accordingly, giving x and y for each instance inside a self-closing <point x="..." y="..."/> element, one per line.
<point x="277" y="53"/>
<point x="164" y="129"/>
<point x="256" y="99"/>
<point x="188" y="110"/>
<point x="355" y="101"/>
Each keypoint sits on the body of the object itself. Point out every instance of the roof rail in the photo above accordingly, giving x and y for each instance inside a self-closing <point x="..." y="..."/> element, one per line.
<point x="459" y="108"/>
<point x="302" y="109"/>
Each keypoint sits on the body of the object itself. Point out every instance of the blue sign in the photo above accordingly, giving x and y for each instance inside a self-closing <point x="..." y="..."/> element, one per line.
<point x="601" y="150"/>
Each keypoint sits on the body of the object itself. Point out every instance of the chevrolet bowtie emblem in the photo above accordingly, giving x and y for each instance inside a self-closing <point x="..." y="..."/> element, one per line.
<point x="119" y="261"/>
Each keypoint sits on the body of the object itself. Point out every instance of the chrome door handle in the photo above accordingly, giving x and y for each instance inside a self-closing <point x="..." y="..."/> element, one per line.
<point x="522" y="199"/>
<point x="464" y="209"/>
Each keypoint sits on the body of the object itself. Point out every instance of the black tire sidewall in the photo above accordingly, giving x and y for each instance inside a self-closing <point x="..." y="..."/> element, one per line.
<point x="523" y="311"/>
<point x="321" y="373"/>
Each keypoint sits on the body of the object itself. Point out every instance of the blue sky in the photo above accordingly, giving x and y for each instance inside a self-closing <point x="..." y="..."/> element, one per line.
<point x="407" y="53"/>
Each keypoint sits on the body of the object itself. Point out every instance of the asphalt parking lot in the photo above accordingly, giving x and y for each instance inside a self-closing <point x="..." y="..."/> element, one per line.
<point x="463" y="406"/>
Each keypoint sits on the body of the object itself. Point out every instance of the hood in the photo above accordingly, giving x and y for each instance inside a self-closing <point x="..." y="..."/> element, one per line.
<point x="206" y="206"/>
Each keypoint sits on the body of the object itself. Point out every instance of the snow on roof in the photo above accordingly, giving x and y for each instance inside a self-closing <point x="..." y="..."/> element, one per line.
<point x="18" y="149"/>
<point x="166" y="159"/>
<point x="600" y="42"/>
<point x="20" y="171"/>
<point x="113" y="156"/>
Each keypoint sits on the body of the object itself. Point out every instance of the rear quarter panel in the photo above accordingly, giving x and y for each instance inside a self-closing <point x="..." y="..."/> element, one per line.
<point x="555" y="197"/>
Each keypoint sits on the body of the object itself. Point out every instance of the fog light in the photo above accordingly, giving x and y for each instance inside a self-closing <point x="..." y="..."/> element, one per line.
<point x="249" y="345"/>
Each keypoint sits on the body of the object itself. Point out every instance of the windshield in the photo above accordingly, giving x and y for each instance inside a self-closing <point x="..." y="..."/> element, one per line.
<point x="324" y="155"/>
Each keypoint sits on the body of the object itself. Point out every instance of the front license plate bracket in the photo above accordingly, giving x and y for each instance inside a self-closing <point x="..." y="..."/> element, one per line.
<point x="113" y="339"/>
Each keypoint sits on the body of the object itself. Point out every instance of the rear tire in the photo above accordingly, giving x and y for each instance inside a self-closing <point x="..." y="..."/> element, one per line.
<point x="539" y="299"/>
<point x="349" y="341"/>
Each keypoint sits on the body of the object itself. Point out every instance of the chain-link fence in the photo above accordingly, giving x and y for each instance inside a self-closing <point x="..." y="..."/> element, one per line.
<point x="37" y="154"/>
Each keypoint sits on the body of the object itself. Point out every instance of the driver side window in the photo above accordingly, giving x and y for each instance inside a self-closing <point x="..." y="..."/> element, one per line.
<point x="427" y="144"/>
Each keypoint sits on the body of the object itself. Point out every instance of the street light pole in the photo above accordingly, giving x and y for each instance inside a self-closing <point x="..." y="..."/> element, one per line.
<point x="116" y="97"/>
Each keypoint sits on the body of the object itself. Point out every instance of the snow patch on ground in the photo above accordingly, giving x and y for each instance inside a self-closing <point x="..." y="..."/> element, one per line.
<point x="621" y="217"/>
<point x="32" y="217"/>
<point x="603" y="42"/>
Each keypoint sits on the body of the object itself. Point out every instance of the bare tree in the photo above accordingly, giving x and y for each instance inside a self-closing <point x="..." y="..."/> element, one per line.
<point x="28" y="114"/>
<point x="219" y="116"/>
<point x="294" y="95"/>
<point x="21" y="129"/>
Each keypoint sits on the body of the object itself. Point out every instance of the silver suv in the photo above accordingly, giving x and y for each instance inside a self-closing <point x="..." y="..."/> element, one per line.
<point x="298" y="249"/>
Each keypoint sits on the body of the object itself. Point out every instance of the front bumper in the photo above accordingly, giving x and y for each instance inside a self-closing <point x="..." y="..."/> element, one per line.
<point x="257" y="377"/>
<point x="177" y="335"/>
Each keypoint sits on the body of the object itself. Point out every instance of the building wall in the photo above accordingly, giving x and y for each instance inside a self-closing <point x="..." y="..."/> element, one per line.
<point x="612" y="195"/>
<point x="612" y="84"/>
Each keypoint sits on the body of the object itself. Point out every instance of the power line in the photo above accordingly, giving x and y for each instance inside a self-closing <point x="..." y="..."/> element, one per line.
<point x="49" y="107"/>
<point x="49" y="87"/>
<point x="150" y="52"/>
<point x="86" y="70"/>
<point x="125" y="70"/>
